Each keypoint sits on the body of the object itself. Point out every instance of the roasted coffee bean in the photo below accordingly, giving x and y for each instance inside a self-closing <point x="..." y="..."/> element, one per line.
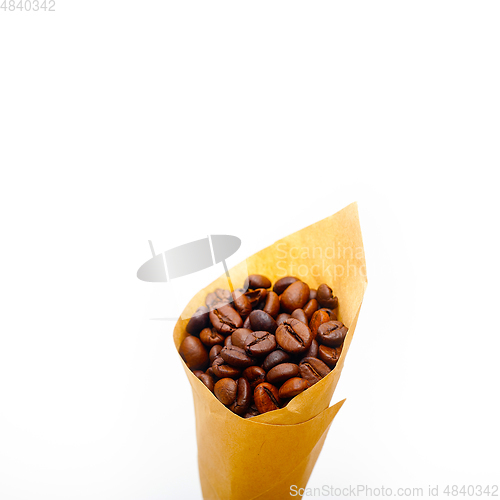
<point x="214" y="352"/>
<point x="326" y="298"/>
<point x="257" y="281"/>
<point x="243" y="397"/>
<point x="252" y="412"/>
<point x="198" y="321"/>
<point x="235" y="356"/>
<point x="225" y="391"/>
<point x="331" y="313"/>
<point x="295" y="296"/>
<point x="313" y="370"/>
<point x="239" y="336"/>
<point x="329" y="355"/>
<point x="294" y="336"/>
<point x="208" y="381"/>
<point x="241" y="303"/>
<point x="272" y="304"/>
<point x="275" y="358"/>
<point x="261" y="321"/>
<point x="210" y="337"/>
<point x="318" y="318"/>
<point x="283" y="283"/>
<point x="310" y="308"/>
<point x="266" y="397"/>
<point x="221" y="370"/>
<point x="256" y="296"/>
<point x="331" y="333"/>
<point x="194" y="353"/>
<point x="300" y="315"/>
<point x="225" y="319"/>
<point x="261" y="339"/>
<point x="282" y="372"/>
<point x="282" y="318"/>
<point x="260" y="343"/>
<point x="292" y="387"/>
<point x="312" y="352"/>
<point x="255" y="375"/>
<point x="217" y="298"/>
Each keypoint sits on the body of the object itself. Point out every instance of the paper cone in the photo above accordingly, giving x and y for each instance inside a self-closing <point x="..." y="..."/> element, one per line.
<point x="261" y="457"/>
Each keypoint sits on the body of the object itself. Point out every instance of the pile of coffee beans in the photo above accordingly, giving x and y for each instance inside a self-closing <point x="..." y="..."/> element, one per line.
<point x="257" y="347"/>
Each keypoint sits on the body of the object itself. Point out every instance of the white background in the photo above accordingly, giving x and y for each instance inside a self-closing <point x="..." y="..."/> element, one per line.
<point x="126" y="121"/>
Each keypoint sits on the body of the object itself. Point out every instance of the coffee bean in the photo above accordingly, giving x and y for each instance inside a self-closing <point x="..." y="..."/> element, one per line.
<point x="318" y="318"/>
<point x="283" y="283"/>
<point x="282" y="318"/>
<point x="262" y="321"/>
<point x="329" y="355"/>
<point x="242" y="304"/>
<point x="275" y="358"/>
<point x="252" y="412"/>
<point x="255" y="375"/>
<point x="237" y="357"/>
<point x="331" y="313"/>
<point x="225" y="319"/>
<point x="292" y="387"/>
<point x="332" y="333"/>
<point x="194" y="353"/>
<point x="198" y="321"/>
<point x="312" y="352"/>
<point x="266" y="397"/>
<point x="294" y="336"/>
<point x="272" y="304"/>
<point x="300" y="315"/>
<point x="214" y="352"/>
<point x="261" y="339"/>
<point x="217" y="298"/>
<point x="239" y="336"/>
<point x="221" y="370"/>
<point x="325" y="297"/>
<point x="257" y="281"/>
<point x="282" y="372"/>
<point x="208" y="381"/>
<point x="313" y="370"/>
<point x="295" y="296"/>
<point x="225" y="391"/>
<point x="260" y="343"/>
<point x="256" y="296"/>
<point x="243" y="397"/>
<point x="210" y="337"/>
<point x="310" y="308"/>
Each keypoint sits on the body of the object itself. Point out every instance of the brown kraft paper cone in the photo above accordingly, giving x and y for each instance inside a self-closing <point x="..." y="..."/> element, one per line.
<point x="261" y="457"/>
